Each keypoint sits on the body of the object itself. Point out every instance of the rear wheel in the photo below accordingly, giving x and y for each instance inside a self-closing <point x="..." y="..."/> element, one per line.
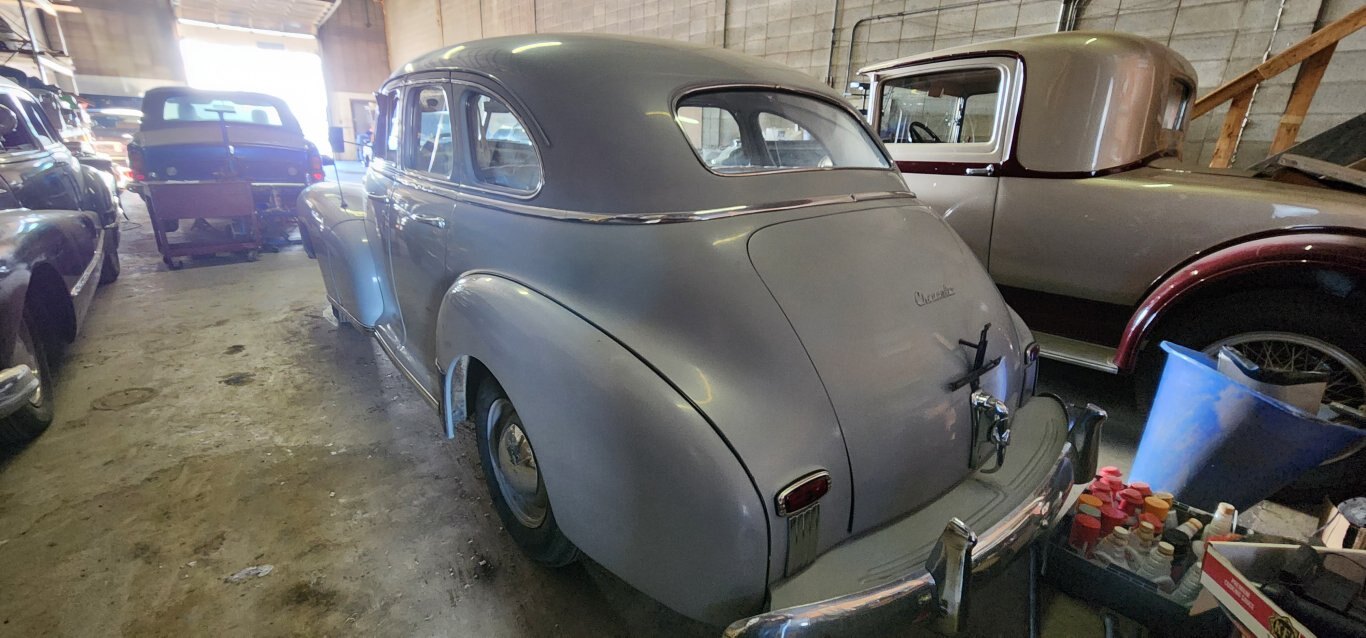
<point x="34" y="417"/>
<point x="1286" y="330"/>
<point x="514" y="479"/>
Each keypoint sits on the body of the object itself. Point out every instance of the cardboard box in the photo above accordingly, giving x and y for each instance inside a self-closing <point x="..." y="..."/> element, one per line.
<point x="1231" y="571"/>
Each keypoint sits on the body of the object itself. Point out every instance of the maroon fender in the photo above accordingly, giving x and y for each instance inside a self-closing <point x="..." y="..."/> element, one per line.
<point x="1342" y="252"/>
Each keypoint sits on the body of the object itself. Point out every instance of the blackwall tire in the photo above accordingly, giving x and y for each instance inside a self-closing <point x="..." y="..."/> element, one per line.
<point x="109" y="272"/>
<point x="1298" y="316"/>
<point x="526" y="514"/>
<point x="33" y="419"/>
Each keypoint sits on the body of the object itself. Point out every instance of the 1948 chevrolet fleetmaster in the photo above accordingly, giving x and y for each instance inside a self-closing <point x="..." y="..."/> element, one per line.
<point x="702" y="332"/>
<point x="1052" y="156"/>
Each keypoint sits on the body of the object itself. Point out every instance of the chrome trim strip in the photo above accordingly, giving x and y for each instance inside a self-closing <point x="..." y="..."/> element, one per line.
<point x="449" y="190"/>
<point x="398" y="363"/>
<point x="1078" y="353"/>
<point x="803" y="538"/>
<point x="96" y="264"/>
<point x="888" y="609"/>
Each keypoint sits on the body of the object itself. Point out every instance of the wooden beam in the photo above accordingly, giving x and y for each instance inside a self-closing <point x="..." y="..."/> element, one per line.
<point x="1295" y="54"/>
<point x="1231" y="130"/>
<point x="1301" y="95"/>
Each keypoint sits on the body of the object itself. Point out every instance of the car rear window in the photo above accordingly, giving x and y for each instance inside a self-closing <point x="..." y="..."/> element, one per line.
<point x="741" y="132"/>
<point x="188" y="108"/>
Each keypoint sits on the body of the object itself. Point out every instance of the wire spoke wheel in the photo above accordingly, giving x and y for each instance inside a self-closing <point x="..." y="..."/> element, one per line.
<point x="1300" y="353"/>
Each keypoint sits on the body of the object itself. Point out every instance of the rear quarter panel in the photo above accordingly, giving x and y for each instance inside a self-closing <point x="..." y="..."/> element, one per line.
<point x="1110" y="238"/>
<point x="641" y="482"/>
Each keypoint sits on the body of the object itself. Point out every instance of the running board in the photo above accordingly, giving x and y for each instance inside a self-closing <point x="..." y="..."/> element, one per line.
<point x="1077" y="353"/>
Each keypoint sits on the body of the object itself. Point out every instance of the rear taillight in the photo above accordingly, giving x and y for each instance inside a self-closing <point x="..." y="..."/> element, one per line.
<point x="803" y="493"/>
<point x="315" y="165"/>
<point x="136" y="164"/>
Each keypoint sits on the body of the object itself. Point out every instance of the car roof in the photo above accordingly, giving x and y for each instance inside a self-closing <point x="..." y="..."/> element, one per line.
<point x="1081" y="43"/>
<point x="601" y="110"/>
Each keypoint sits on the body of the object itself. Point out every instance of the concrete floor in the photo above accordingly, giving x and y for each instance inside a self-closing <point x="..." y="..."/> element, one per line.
<point x="214" y="419"/>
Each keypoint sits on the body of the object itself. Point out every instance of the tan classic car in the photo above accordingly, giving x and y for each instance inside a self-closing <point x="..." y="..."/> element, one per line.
<point x="1055" y="157"/>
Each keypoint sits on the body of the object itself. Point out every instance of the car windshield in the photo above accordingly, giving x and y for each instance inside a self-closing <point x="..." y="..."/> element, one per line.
<point x="196" y="108"/>
<point x="757" y="131"/>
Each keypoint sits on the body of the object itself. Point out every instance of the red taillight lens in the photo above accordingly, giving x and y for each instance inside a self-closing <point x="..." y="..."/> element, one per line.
<point x="803" y="493"/>
<point x="315" y="164"/>
<point x="135" y="163"/>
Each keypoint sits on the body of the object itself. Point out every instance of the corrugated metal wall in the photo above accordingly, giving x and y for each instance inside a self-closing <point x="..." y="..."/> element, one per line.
<point x="1221" y="37"/>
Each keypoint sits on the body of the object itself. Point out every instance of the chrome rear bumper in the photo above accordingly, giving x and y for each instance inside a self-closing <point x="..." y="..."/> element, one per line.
<point x="17" y="386"/>
<point x="939" y="592"/>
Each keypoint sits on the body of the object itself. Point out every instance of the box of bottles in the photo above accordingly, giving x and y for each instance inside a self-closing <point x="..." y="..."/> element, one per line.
<point x="1136" y="553"/>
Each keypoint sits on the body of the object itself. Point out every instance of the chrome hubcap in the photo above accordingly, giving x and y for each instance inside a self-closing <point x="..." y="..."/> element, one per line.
<point x="514" y="465"/>
<point x="24" y="355"/>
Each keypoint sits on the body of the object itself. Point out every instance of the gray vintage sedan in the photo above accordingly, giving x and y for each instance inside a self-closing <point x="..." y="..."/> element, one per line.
<point x="704" y="335"/>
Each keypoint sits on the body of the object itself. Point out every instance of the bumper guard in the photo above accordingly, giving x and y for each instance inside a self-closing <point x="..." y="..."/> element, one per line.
<point x="940" y="593"/>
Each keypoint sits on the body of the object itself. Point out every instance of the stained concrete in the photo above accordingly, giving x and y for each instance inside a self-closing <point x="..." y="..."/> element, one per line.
<point x="213" y="419"/>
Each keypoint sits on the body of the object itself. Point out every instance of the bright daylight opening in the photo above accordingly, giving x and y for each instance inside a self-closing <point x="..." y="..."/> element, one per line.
<point x="293" y="76"/>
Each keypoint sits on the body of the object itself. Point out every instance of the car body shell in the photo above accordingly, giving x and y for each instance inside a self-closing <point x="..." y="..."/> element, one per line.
<point x="57" y="220"/>
<point x="274" y="157"/>
<point x="683" y="345"/>
<point x="1081" y="172"/>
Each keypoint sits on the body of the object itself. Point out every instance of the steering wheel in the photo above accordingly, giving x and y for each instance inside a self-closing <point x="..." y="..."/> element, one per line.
<point x="921" y="133"/>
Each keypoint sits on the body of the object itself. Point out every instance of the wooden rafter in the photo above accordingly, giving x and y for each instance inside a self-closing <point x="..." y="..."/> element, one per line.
<point x="1312" y="54"/>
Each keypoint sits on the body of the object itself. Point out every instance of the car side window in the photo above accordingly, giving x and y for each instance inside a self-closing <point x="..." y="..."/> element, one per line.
<point x="392" y="128"/>
<point x="501" y="151"/>
<point x="948" y="107"/>
<point x="430" y="143"/>
<point x="38" y="120"/>
<point x="19" y="139"/>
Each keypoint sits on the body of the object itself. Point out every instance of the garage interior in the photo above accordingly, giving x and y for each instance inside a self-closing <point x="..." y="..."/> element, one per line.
<point x="220" y="416"/>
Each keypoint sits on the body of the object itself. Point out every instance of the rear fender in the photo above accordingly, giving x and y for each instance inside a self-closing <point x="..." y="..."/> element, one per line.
<point x="639" y="479"/>
<point x="334" y="218"/>
<point x="1328" y="251"/>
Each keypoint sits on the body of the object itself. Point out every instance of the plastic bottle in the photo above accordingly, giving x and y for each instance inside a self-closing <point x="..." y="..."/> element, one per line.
<point x="1190" y="585"/>
<point x="1158" y="563"/>
<point x="1182" y="536"/>
<point x="1223" y="520"/>
<point x="1131" y="502"/>
<point x="1085" y="534"/>
<point x="1171" y="519"/>
<point x="1140" y="544"/>
<point x="1112" y="549"/>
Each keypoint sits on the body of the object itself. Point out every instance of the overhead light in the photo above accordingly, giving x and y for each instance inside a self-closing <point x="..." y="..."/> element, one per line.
<point x="253" y="30"/>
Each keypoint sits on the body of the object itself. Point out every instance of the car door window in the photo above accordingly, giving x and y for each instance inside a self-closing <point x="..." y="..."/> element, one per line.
<point x="38" y="120"/>
<point x="501" y="151"/>
<point x="430" y="143"/>
<point x="19" y="139"/>
<point x="391" y="127"/>
<point x="948" y="107"/>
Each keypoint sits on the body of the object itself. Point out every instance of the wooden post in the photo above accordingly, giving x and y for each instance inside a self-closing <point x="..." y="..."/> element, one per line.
<point x="1231" y="130"/>
<point x="1306" y="84"/>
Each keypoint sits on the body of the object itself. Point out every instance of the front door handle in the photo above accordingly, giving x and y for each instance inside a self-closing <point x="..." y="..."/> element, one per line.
<point x="987" y="170"/>
<point x="431" y="220"/>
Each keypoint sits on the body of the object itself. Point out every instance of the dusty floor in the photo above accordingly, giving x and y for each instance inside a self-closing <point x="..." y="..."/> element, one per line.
<point x="213" y="419"/>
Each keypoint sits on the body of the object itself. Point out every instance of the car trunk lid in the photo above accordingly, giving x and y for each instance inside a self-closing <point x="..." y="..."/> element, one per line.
<point x="880" y="299"/>
<point x="197" y="152"/>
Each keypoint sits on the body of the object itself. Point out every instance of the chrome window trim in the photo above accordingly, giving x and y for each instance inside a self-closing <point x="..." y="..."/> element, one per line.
<point x="1007" y="109"/>
<point x="815" y="95"/>
<point x="456" y="191"/>
<point x="535" y="147"/>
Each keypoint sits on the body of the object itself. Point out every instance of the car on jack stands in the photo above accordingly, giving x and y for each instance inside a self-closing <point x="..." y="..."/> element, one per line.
<point x="1055" y="157"/>
<point x="59" y="239"/>
<point x="704" y="335"/>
